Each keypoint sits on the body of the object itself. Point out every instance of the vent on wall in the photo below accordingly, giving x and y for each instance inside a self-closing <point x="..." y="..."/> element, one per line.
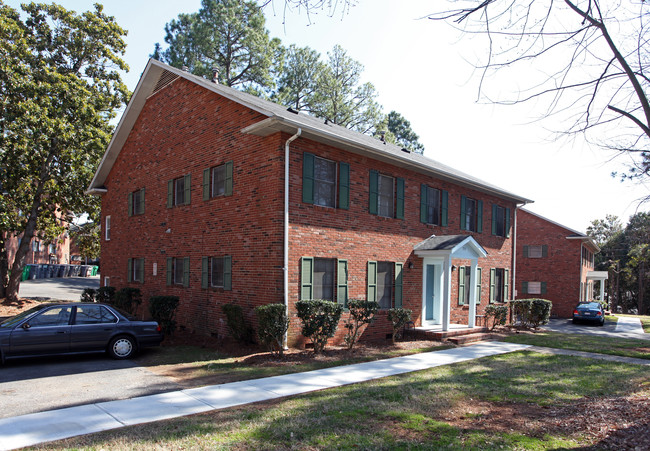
<point x="165" y="78"/>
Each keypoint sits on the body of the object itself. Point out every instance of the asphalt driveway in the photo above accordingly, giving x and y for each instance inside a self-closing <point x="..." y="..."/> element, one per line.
<point x="626" y="327"/>
<point x="57" y="288"/>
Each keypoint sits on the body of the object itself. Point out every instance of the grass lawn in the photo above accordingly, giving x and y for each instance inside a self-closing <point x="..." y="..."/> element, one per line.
<point x="521" y="400"/>
<point x="639" y="349"/>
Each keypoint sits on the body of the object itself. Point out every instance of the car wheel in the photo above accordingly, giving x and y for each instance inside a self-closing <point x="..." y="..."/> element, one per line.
<point x="574" y="321"/>
<point x="602" y="323"/>
<point x="122" y="347"/>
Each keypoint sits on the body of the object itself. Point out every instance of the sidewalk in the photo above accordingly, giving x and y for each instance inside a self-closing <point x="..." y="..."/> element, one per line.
<point x="52" y="425"/>
<point x="629" y="326"/>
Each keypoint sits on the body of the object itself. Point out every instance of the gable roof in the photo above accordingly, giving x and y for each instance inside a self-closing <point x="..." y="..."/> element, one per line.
<point x="157" y="75"/>
<point x="572" y="234"/>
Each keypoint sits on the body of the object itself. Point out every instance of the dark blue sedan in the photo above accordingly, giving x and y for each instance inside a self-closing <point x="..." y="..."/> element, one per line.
<point x="75" y="328"/>
<point x="589" y="312"/>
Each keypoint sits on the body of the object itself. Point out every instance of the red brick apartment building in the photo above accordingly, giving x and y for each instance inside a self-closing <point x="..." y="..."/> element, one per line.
<point x="41" y="251"/>
<point x="555" y="263"/>
<point x="193" y="190"/>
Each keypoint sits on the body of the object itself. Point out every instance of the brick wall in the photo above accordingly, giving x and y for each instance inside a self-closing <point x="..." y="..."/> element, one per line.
<point x="184" y="129"/>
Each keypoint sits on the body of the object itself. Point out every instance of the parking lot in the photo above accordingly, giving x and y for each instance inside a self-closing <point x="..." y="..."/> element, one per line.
<point x="59" y="288"/>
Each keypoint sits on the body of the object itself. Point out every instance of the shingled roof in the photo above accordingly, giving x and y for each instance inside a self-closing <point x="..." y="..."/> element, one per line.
<point x="157" y="75"/>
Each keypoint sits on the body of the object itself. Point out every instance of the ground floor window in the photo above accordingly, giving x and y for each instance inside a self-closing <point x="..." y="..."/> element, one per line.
<point x="464" y="281"/>
<point x="499" y="284"/>
<point x="385" y="284"/>
<point x="324" y="278"/>
<point x="136" y="270"/>
<point x="178" y="271"/>
<point x="216" y="272"/>
<point x="533" y="287"/>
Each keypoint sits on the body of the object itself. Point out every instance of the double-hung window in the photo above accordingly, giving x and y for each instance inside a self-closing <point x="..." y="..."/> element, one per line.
<point x="471" y="214"/>
<point x="178" y="271"/>
<point x="136" y="202"/>
<point x="320" y="180"/>
<point x="499" y="284"/>
<point x="216" y="272"/>
<point x="464" y="276"/>
<point x="386" y="195"/>
<point x="533" y="287"/>
<point x="178" y="191"/>
<point x="536" y="251"/>
<point x="324" y="278"/>
<point x="107" y="228"/>
<point x="433" y="205"/>
<point x="500" y="221"/>
<point x="385" y="284"/>
<point x="136" y="270"/>
<point x="217" y="181"/>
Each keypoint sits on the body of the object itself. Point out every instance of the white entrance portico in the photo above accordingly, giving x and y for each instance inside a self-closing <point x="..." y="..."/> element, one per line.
<point x="437" y="253"/>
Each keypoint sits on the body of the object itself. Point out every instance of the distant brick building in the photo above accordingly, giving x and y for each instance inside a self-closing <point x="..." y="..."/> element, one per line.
<point x="555" y="263"/>
<point x="193" y="205"/>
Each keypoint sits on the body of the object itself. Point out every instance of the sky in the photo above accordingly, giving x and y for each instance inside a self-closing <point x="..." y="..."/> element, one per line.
<point x="423" y="70"/>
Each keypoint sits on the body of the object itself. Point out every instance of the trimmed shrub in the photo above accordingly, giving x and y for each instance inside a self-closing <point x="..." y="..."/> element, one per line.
<point x="88" y="295"/>
<point x="361" y="312"/>
<point x="320" y="319"/>
<point x="273" y="323"/>
<point x="105" y="295"/>
<point x="127" y="299"/>
<point x="163" y="310"/>
<point x="398" y="318"/>
<point x="237" y="326"/>
<point x="531" y="313"/>
<point x="497" y="313"/>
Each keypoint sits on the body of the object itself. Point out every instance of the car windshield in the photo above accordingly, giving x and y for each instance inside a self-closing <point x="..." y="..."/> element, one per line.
<point x="10" y="322"/>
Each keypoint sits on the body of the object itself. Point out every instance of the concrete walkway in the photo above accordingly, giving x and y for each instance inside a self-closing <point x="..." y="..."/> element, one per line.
<point x="626" y="326"/>
<point x="52" y="425"/>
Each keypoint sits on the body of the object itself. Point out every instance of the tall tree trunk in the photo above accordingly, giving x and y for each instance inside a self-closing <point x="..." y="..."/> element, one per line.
<point x="641" y="286"/>
<point x="4" y="265"/>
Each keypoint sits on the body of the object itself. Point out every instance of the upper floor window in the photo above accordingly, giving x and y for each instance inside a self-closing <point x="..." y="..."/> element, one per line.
<point x="51" y="249"/>
<point x="386" y="195"/>
<point x="107" y="231"/>
<point x="535" y="251"/>
<point x="320" y="181"/>
<point x="324" y="278"/>
<point x="471" y="214"/>
<point x="217" y="272"/>
<point x="136" y="202"/>
<point x="433" y="205"/>
<point x="36" y="246"/>
<point x="178" y="191"/>
<point x="217" y="181"/>
<point x="500" y="221"/>
<point x="385" y="284"/>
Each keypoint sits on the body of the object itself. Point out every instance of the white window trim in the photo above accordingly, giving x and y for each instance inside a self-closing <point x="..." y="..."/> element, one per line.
<point x="107" y="231"/>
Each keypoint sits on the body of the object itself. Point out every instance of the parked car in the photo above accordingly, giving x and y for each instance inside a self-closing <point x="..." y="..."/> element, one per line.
<point x="75" y="328"/>
<point x="589" y="312"/>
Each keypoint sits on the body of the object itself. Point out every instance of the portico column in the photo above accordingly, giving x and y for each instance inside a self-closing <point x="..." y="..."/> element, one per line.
<point x="471" y="321"/>
<point x="446" y="293"/>
<point x="602" y="289"/>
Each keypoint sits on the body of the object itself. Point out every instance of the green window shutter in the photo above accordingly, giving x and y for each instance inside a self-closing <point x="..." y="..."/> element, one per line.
<point x="461" y="285"/>
<point x="130" y="198"/>
<point x="227" y="273"/>
<point x="206" y="184"/>
<point x="308" y="178"/>
<point x="342" y="282"/>
<point x="463" y="221"/>
<point x="524" y="287"/>
<point x="306" y="278"/>
<point x="204" y="272"/>
<point x="398" y="284"/>
<point x="141" y="201"/>
<point x="344" y="186"/>
<point x="186" y="272"/>
<point x="129" y="276"/>
<point x="170" y="266"/>
<point x="544" y="251"/>
<point x="479" y="217"/>
<point x="142" y="266"/>
<point x="479" y="273"/>
<point x="188" y="188"/>
<point x="423" y="203"/>
<point x="373" y="189"/>
<point x="543" y="287"/>
<point x="444" y="209"/>
<point x="525" y="251"/>
<point x="372" y="281"/>
<point x="229" y="178"/>
<point x="170" y="194"/>
<point x="493" y="272"/>
<point x="494" y="219"/>
<point x="507" y="222"/>
<point x="399" y="198"/>
<point x="506" y="285"/>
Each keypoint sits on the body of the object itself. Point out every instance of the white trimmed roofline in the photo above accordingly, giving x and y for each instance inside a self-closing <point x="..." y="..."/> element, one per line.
<point x="280" y="119"/>
<point x="576" y="235"/>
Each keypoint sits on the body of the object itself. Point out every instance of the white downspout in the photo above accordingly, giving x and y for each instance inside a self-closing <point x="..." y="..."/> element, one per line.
<point x="285" y="267"/>
<point x="514" y="254"/>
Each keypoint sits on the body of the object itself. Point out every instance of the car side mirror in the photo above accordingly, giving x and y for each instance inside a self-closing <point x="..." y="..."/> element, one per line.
<point x="26" y="326"/>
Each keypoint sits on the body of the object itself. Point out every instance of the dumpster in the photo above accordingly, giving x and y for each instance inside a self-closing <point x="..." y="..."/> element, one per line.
<point x="33" y="272"/>
<point x="74" y="270"/>
<point x="60" y="270"/>
<point x="66" y="270"/>
<point x="85" y="270"/>
<point x="42" y="271"/>
<point x="95" y="269"/>
<point x="49" y="271"/>
<point x="25" y="274"/>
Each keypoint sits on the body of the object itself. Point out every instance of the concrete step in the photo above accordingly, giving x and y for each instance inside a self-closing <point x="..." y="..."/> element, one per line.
<point x="470" y="338"/>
